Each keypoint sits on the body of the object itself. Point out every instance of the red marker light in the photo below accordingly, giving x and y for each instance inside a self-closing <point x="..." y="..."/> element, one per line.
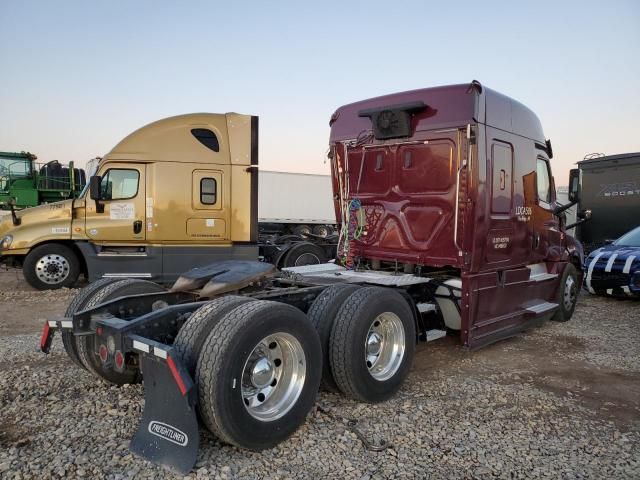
<point x="45" y="337"/>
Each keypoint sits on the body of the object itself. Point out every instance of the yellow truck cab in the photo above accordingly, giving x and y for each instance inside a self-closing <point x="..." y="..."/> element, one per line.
<point x="159" y="204"/>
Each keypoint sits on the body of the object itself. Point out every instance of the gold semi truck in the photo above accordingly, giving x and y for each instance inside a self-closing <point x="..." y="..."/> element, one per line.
<point x="175" y="194"/>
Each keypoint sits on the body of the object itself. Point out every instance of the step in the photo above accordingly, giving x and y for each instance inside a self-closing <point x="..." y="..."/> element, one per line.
<point x="426" y="307"/>
<point x="435" y="334"/>
<point x="542" y="307"/>
<point x="542" y="276"/>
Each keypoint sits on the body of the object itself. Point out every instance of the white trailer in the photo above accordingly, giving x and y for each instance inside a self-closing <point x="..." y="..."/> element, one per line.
<point x="298" y="203"/>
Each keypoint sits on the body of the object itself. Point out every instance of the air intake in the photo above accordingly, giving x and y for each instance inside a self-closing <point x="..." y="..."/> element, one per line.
<point x="393" y="121"/>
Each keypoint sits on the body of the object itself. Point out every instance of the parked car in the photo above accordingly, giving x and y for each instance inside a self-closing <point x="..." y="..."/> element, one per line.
<point x="615" y="268"/>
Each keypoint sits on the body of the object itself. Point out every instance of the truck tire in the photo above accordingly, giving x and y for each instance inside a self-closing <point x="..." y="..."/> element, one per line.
<point x="85" y="343"/>
<point x="51" y="266"/>
<point x="372" y="344"/>
<point x="258" y="374"/>
<point x="303" y="253"/>
<point x="194" y="332"/>
<point x="568" y="294"/>
<point x="77" y="304"/>
<point x="322" y="314"/>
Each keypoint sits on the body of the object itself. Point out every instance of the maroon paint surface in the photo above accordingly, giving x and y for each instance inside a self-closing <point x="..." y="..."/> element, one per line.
<point x="407" y="188"/>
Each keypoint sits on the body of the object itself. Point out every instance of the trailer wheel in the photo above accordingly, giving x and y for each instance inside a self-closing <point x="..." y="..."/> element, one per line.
<point x="194" y="332"/>
<point x="301" y="230"/>
<point x="258" y="374"/>
<point x="568" y="295"/>
<point x="85" y="343"/>
<point x="322" y="314"/>
<point x="372" y="344"/>
<point x="51" y="266"/>
<point x="322" y="230"/>
<point x="304" y="253"/>
<point x="78" y="303"/>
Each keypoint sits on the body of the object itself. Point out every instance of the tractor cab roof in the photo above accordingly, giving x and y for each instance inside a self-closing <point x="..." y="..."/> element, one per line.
<point x="439" y="108"/>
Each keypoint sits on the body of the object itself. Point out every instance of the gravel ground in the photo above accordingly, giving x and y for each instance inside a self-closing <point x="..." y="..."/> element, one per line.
<point x="562" y="401"/>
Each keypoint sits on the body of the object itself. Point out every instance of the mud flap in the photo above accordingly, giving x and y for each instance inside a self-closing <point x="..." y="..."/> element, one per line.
<point x="168" y="432"/>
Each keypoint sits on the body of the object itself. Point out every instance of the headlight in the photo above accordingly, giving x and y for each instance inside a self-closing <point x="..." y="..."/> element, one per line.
<point x="6" y="242"/>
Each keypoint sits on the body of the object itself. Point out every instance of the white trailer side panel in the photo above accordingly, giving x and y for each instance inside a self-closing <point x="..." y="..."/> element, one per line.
<point x="295" y="198"/>
<point x="562" y="194"/>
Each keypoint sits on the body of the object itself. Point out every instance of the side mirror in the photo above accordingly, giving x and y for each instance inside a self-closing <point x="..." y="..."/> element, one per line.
<point x="12" y="206"/>
<point x="94" y="187"/>
<point x="574" y="185"/>
<point x="608" y="241"/>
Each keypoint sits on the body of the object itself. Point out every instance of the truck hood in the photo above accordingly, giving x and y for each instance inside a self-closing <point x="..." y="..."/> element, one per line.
<point x="5" y="223"/>
<point x="50" y="211"/>
<point x="43" y="222"/>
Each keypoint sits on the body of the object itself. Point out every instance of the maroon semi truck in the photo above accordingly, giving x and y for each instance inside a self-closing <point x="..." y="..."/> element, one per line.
<point x="449" y="226"/>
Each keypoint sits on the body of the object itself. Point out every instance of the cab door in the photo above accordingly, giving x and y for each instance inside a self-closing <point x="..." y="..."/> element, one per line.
<point x="120" y="215"/>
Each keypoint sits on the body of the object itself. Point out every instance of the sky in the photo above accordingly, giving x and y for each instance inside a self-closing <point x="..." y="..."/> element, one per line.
<point x="78" y="76"/>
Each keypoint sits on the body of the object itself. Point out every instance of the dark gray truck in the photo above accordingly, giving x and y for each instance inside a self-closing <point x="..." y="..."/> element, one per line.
<point x="609" y="187"/>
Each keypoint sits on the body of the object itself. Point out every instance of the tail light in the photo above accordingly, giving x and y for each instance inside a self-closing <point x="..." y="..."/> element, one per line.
<point x="119" y="359"/>
<point x="104" y="354"/>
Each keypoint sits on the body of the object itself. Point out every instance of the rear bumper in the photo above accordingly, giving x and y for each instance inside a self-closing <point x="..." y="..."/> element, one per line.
<point x="168" y="431"/>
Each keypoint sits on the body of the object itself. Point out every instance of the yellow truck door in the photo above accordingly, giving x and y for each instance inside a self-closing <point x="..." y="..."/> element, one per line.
<point x="209" y="220"/>
<point x="123" y="217"/>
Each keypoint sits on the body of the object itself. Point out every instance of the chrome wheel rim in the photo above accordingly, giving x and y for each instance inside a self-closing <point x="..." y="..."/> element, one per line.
<point x="384" y="346"/>
<point x="569" y="293"/>
<point x="273" y="377"/>
<point x="307" y="259"/>
<point x="52" y="269"/>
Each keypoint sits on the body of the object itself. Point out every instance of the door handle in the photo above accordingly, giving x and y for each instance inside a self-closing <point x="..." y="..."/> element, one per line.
<point x="536" y="240"/>
<point x="137" y="226"/>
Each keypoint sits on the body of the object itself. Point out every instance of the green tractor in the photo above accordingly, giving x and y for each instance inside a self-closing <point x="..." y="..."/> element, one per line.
<point x="25" y="183"/>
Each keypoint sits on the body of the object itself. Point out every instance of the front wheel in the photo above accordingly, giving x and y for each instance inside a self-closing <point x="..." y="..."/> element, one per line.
<point x="568" y="295"/>
<point x="51" y="266"/>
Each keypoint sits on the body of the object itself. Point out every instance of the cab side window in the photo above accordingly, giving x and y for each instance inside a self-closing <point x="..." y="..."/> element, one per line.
<point x="119" y="184"/>
<point x="543" y="181"/>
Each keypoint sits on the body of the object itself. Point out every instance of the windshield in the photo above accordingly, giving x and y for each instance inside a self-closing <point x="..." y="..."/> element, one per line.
<point x="15" y="168"/>
<point x="630" y="239"/>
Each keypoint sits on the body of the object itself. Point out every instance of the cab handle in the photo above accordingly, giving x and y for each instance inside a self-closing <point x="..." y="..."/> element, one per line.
<point x="137" y="226"/>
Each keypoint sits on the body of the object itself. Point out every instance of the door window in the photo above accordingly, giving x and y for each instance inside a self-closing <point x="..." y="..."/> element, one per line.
<point x="119" y="184"/>
<point x="208" y="191"/>
<point x="543" y="181"/>
<point x="502" y="192"/>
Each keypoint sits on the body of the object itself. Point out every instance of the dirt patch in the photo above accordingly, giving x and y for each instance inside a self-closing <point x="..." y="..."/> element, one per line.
<point x="12" y="435"/>
<point x="542" y="362"/>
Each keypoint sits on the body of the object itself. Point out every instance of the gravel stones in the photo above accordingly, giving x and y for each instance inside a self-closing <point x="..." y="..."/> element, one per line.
<point x="561" y="401"/>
